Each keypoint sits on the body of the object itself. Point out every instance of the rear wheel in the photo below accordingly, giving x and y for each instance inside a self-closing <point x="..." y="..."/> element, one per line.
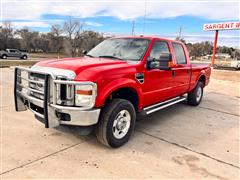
<point x="24" y="57"/>
<point x="116" y="123"/>
<point x="195" y="97"/>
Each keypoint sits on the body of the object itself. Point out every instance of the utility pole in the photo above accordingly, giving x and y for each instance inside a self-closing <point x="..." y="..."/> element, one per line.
<point x="180" y="32"/>
<point x="144" y="18"/>
<point x="133" y="28"/>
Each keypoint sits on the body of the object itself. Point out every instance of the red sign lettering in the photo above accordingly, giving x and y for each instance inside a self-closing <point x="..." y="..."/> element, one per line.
<point x="222" y="26"/>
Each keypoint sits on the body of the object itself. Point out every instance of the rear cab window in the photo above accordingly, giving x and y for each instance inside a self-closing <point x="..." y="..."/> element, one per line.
<point x="179" y="53"/>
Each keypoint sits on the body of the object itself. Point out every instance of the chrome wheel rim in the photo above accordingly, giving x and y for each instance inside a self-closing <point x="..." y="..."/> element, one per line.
<point x="121" y="124"/>
<point x="199" y="94"/>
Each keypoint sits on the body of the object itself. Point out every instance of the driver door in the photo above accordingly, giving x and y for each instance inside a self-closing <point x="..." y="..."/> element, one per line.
<point x="12" y="53"/>
<point x="159" y="84"/>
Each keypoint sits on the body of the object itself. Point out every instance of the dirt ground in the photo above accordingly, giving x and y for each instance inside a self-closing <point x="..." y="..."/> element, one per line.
<point x="178" y="142"/>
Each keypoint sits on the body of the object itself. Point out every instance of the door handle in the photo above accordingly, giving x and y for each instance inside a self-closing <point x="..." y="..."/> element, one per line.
<point x="188" y="71"/>
<point x="173" y="73"/>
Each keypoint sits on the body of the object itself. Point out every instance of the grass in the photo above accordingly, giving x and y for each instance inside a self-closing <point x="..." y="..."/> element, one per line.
<point x="16" y="63"/>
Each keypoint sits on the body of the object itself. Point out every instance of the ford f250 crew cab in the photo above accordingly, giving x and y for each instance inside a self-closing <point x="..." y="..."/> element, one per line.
<point x="110" y="85"/>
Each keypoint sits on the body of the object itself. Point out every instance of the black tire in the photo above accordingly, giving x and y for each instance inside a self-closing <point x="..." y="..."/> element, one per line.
<point x="105" y="127"/>
<point x="4" y="56"/>
<point x="24" y="57"/>
<point x="195" y="96"/>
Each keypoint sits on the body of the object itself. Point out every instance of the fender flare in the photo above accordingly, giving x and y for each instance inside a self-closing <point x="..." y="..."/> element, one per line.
<point x="202" y="73"/>
<point x="119" y="84"/>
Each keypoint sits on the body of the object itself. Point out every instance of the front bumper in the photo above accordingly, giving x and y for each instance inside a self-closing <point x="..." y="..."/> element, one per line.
<point x="46" y="109"/>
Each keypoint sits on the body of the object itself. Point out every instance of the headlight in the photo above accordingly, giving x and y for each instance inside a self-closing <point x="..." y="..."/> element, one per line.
<point x="85" y="95"/>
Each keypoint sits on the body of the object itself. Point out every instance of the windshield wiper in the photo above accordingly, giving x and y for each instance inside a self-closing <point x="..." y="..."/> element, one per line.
<point x="113" y="57"/>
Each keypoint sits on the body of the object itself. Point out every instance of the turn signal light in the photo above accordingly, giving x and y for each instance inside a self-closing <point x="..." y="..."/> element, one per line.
<point x="170" y="64"/>
<point x="83" y="92"/>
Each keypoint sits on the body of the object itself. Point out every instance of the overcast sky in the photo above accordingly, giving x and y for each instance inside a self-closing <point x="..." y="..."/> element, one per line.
<point x="163" y="18"/>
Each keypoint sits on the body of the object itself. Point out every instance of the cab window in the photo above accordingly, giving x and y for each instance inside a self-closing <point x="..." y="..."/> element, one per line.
<point x="158" y="48"/>
<point x="179" y="53"/>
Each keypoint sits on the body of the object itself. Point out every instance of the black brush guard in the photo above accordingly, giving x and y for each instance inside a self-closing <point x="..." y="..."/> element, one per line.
<point x="21" y="101"/>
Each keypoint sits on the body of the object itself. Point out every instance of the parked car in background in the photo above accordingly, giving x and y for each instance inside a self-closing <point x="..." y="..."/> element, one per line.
<point x="13" y="53"/>
<point x="236" y="64"/>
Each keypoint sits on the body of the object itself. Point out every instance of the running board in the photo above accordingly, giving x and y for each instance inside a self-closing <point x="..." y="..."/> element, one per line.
<point x="164" y="104"/>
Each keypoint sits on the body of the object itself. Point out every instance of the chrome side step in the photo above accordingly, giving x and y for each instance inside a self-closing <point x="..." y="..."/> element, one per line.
<point x="164" y="104"/>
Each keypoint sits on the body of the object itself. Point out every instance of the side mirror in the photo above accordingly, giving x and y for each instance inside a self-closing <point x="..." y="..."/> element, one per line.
<point x="153" y="64"/>
<point x="163" y="63"/>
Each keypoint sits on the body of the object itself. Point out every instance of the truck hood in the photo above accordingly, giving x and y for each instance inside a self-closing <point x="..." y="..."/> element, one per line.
<point x="85" y="68"/>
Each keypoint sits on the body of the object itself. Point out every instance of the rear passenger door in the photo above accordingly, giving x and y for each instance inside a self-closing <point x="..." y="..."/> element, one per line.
<point x="182" y="70"/>
<point x="18" y="53"/>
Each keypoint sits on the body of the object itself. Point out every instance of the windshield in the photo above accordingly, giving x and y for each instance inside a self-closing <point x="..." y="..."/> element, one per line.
<point x="131" y="49"/>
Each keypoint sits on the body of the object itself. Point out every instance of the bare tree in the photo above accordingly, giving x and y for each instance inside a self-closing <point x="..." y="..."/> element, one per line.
<point x="26" y="38"/>
<point x="56" y="40"/>
<point x="6" y="33"/>
<point x="72" y="29"/>
<point x="44" y="43"/>
<point x="56" y="30"/>
<point x="90" y="39"/>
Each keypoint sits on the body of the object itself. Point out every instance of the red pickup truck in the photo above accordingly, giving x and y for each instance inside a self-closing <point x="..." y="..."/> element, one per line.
<point x="113" y="83"/>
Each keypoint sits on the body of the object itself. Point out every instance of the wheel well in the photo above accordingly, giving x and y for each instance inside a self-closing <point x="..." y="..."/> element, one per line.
<point x="202" y="79"/>
<point x="126" y="93"/>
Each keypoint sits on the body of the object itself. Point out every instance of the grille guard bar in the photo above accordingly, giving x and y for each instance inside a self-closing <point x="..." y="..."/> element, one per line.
<point x="20" y="104"/>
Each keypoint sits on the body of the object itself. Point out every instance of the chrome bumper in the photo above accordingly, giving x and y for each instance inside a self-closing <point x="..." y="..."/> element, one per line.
<point x="47" y="110"/>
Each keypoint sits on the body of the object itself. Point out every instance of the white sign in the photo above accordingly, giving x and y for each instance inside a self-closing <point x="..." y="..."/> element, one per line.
<point x="222" y="26"/>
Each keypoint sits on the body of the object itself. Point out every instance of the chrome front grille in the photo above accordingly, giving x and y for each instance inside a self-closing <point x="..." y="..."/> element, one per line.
<point x="36" y="85"/>
<point x="65" y="93"/>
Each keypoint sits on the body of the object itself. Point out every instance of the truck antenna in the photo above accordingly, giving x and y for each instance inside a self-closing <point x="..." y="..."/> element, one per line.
<point x="144" y="18"/>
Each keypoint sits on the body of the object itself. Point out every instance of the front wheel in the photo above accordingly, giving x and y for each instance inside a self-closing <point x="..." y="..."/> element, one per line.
<point x="116" y="123"/>
<point x="4" y="56"/>
<point x="195" y="96"/>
